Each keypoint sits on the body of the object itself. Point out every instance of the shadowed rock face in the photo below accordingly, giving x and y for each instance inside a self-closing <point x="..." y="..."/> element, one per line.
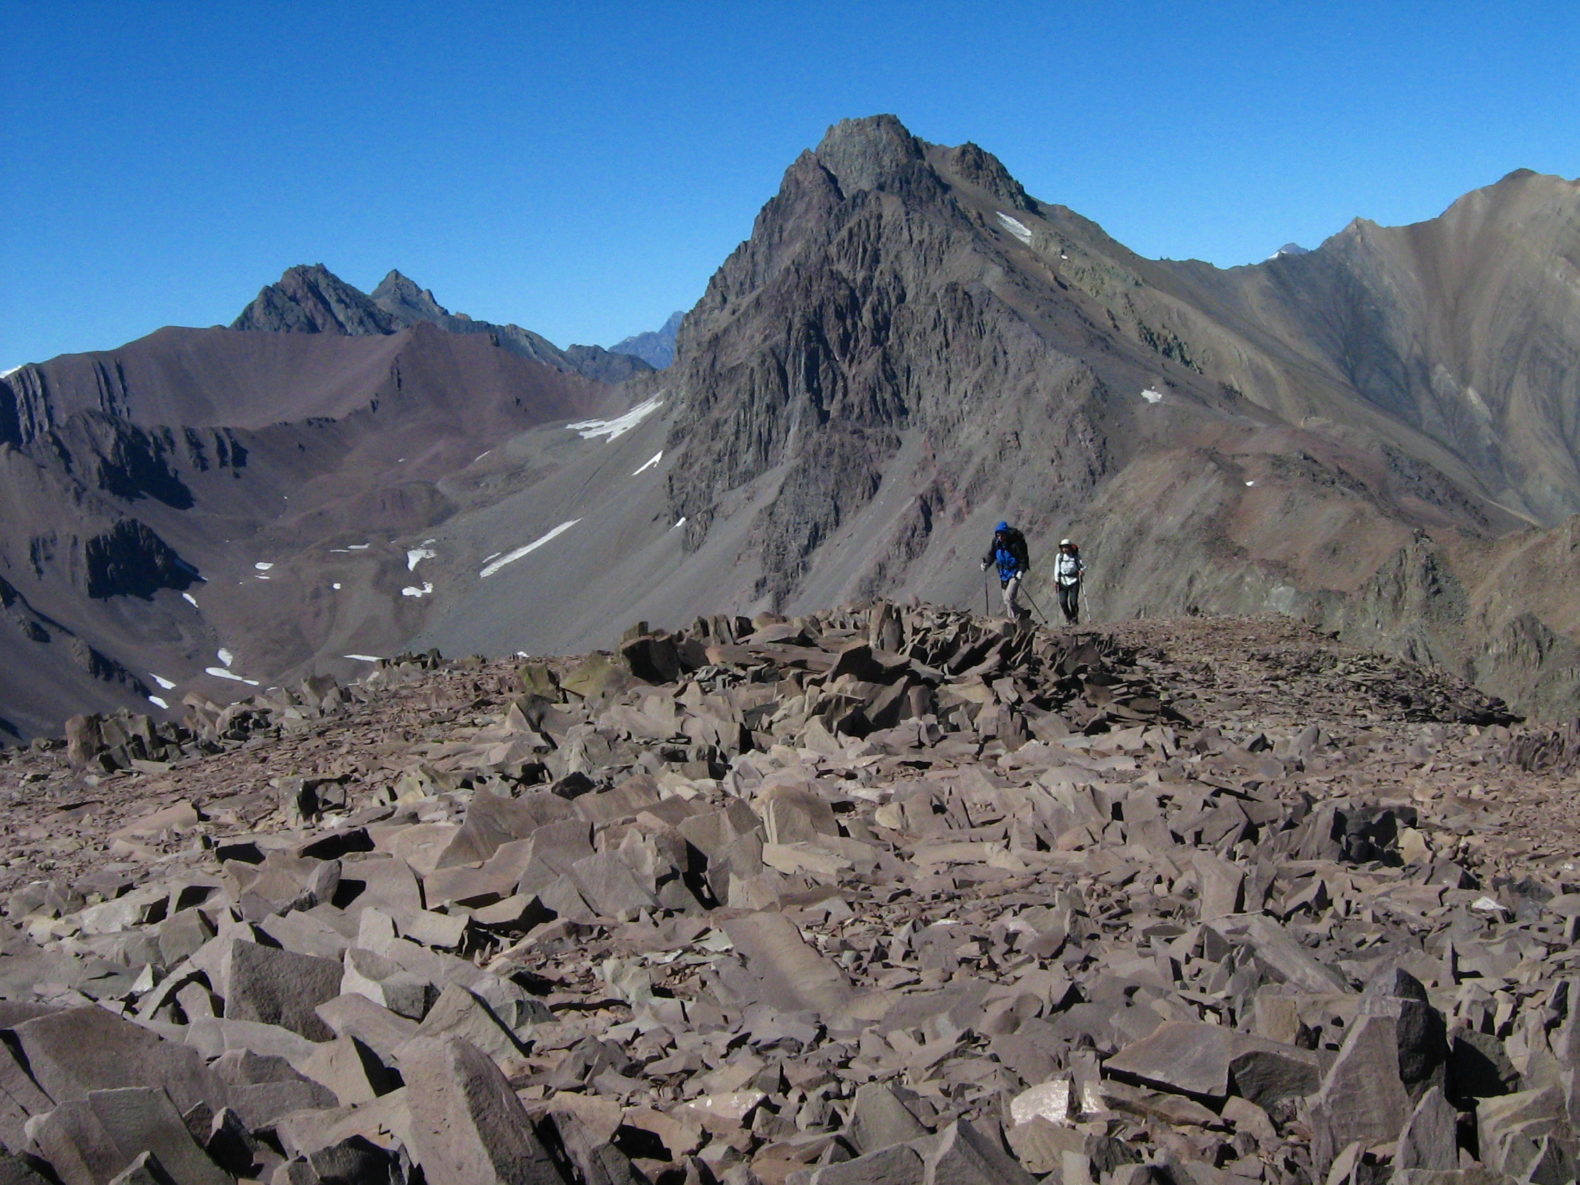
<point x="129" y="560"/>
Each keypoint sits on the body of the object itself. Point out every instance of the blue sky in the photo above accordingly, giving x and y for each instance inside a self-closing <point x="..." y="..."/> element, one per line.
<point x="582" y="169"/>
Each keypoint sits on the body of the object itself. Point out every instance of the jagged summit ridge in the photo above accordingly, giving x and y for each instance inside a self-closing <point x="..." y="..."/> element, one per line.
<point x="871" y="381"/>
<point x="871" y="153"/>
<point x="401" y="296"/>
<point x="312" y="299"/>
<point x="656" y="347"/>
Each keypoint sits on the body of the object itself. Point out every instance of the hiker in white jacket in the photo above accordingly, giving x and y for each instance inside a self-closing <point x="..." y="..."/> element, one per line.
<point x="1067" y="572"/>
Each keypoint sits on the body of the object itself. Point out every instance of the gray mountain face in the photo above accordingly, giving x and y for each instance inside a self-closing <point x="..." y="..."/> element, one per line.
<point x="909" y="348"/>
<point x="314" y="300"/>
<point x="655" y="347"/>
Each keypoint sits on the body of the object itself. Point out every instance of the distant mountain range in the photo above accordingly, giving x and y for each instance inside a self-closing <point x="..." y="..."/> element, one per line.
<point x="1379" y="436"/>
<point x="657" y="347"/>
<point x="314" y="300"/>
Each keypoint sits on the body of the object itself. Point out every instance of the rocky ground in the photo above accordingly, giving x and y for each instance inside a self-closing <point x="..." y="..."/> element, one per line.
<point x="880" y="895"/>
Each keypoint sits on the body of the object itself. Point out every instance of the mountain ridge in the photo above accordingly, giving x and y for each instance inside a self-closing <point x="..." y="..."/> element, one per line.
<point x="312" y="299"/>
<point x="908" y="348"/>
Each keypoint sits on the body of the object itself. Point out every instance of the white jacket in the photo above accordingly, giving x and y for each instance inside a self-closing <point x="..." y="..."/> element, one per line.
<point x="1068" y="568"/>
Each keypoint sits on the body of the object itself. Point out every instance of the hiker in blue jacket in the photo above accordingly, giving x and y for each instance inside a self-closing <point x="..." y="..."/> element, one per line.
<point x="1008" y="551"/>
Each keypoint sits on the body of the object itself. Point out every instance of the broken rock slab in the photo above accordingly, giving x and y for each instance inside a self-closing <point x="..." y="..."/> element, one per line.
<point x="469" y="1128"/>
<point x="279" y="987"/>
<point x="75" y="1051"/>
<point x="1362" y="1099"/>
<point x="1199" y="1059"/>
<point x="90" y="1141"/>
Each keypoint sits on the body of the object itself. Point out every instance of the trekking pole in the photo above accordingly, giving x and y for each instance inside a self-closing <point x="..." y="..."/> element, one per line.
<point x="1038" y="609"/>
<point x="987" y="594"/>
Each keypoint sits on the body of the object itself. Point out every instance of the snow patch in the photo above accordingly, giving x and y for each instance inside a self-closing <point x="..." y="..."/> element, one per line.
<point x="222" y="673"/>
<point x="618" y="426"/>
<point x="162" y="681"/>
<point x="1488" y="905"/>
<point x="511" y="557"/>
<point x="335" y="586"/>
<point x="189" y="599"/>
<point x="651" y="461"/>
<point x="1250" y="483"/>
<point x="1152" y="396"/>
<point x="679" y="522"/>
<point x="225" y="656"/>
<point x="411" y="590"/>
<point x="262" y="566"/>
<point x="416" y="555"/>
<point x="362" y="657"/>
<point x="1015" y="227"/>
<point x="158" y="703"/>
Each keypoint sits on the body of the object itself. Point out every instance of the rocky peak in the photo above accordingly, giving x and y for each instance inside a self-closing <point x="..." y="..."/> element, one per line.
<point x="399" y="296"/>
<point x="312" y="299"/>
<point x="876" y="152"/>
<point x="656" y="347"/>
<point x="976" y="166"/>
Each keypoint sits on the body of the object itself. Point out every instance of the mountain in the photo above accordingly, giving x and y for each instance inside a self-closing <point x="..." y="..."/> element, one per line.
<point x="204" y="508"/>
<point x="910" y="347"/>
<point x="311" y="299"/>
<point x="655" y="347"/>
<point x="1377" y="437"/>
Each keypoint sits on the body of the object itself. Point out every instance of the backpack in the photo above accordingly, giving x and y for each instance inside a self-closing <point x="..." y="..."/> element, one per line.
<point x="1009" y="549"/>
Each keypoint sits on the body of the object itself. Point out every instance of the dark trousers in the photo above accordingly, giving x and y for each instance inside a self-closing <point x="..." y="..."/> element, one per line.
<point x="1070" y="601"/>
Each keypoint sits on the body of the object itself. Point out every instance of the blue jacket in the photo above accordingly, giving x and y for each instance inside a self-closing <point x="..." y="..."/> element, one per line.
<point x="1008" y="551"/>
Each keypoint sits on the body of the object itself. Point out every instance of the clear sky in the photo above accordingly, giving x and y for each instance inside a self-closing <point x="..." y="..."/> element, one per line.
<point x="582" y="169"/>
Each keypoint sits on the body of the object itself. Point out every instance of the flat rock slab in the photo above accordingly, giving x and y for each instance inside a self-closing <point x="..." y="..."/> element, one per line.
<point x="279" y="987"/>
<point x="1205" y="1060"/>
<point x="793" y="976"/>
<point x="1278" y="952"/>
<point x="123" y="1054"/>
